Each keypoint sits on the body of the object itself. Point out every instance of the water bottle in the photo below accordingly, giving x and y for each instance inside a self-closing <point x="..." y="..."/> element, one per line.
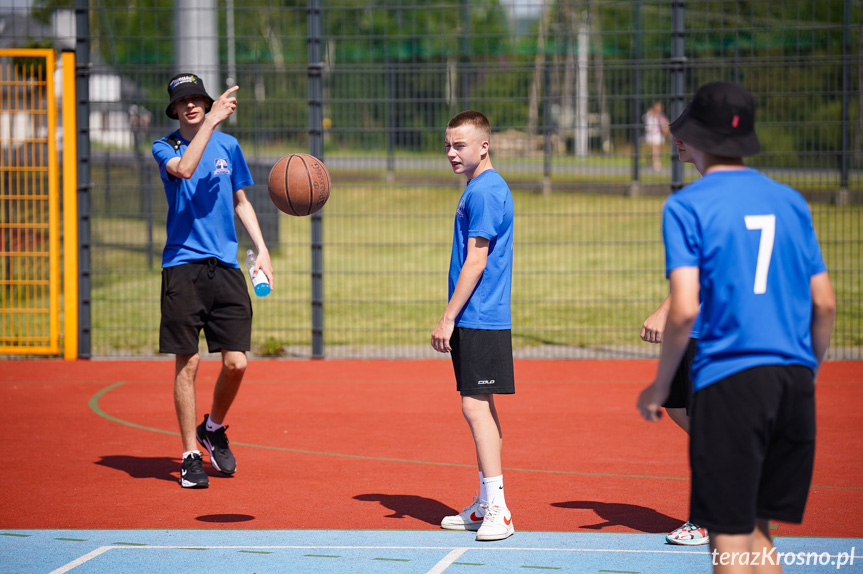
<point x="259" y="281"/>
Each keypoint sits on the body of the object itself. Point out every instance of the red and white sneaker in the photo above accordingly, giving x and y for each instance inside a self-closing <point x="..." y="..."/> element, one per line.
<point x="468" y="519"/>
<point x="496" y="525"/>
<point x="688" y="535"/>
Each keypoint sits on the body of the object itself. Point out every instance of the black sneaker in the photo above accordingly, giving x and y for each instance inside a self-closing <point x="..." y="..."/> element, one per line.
<point x="216" y="443"/>
<point x="192" y="473"/>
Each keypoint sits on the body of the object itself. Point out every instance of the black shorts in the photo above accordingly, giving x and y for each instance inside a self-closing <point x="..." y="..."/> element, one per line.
<point x="204" y="295"/>
<point x="680" y="396"/>
<point x="482" y="361"/>
<point x="752" y="448"/>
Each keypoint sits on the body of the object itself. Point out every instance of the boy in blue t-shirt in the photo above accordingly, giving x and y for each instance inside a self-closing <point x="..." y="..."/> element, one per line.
<point x="476" y="324"/>
<point x="204" y="173"/>
<point x="742" y="248"/>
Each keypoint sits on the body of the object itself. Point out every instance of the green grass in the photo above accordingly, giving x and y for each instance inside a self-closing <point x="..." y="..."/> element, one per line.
<point x="588" y="270"/>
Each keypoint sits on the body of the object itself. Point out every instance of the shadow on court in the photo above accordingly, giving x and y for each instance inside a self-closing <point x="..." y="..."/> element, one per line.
<point x="158" y="467"/>
<point x="632" y="516"/>
<point x="225" y="518"/>
<point x="409" y="505"/>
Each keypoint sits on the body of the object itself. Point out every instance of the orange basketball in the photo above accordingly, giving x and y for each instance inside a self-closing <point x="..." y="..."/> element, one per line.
<point x="299" y="184"/>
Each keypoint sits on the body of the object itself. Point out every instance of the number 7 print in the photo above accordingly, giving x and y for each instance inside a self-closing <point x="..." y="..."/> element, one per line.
<point x="767" y="225"/>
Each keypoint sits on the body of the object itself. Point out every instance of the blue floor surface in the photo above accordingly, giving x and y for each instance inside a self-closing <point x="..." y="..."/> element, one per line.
<point x="383" y="552"/>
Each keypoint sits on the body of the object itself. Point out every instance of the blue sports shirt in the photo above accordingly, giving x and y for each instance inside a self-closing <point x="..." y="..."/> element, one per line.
<point x="755" y="246"/>
<point x="200" y="221"/>
<point x="485" y="210"/>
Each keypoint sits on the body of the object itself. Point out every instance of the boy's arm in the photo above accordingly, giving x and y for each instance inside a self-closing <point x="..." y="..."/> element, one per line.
<point x="471" y="272"/>
<point x="823" y="315"/>
<point x="683" y="310"/>
<point x="653" y="326"/>
<point x="184" y="166"/>
<point x="246" y="214"/>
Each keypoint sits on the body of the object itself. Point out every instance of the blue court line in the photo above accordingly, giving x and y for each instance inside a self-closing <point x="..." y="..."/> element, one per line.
<point x="381" y="552"/>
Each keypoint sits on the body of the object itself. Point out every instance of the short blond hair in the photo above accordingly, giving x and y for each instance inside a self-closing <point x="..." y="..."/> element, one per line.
<point x="472" y="118"/>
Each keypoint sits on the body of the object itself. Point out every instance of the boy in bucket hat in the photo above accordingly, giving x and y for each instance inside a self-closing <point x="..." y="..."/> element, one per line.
<point x="204" y="174"/>
<point x="745" y="247"/>
<point x="185" y="85"/>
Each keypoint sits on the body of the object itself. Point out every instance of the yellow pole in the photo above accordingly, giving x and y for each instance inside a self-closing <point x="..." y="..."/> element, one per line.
<point x="70" y="209"/>
<point x="53" y="205"/>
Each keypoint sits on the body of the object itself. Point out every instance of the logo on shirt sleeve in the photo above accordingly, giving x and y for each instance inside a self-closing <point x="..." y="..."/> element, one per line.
<point x="221" y="166"/>
<point x="460" y="211"/>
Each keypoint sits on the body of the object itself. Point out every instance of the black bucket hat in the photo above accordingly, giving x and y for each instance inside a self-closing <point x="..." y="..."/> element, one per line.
<point x="183" y="85"/>
<point x="720" y="120"/>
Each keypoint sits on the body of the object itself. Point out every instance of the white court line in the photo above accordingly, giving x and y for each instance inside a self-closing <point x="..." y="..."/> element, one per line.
<point x="447" y="561"/>
<point x="455" y="552"/>
<point x="78" y="561"/>
<point x="345" y="547"/>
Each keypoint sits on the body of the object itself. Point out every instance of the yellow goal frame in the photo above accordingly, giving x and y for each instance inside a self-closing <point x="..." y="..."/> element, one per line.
<point x="30" y="225"/>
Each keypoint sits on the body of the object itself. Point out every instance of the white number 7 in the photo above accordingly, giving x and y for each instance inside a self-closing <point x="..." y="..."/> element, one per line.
<point x="767" y="225"/>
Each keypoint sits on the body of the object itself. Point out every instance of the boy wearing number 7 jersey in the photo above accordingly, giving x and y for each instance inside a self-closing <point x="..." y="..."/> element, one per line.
<point x="745" y="247"/>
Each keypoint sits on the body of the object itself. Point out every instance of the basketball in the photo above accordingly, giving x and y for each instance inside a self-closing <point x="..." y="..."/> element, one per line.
<point x="299" y="184"/>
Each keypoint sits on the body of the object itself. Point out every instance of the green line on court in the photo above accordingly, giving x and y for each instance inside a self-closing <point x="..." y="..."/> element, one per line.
<point x="127" y="544"/>
<point x="72" y="539"/>
<point x="542" y="567"/>
<point x="321" y="556"/>
<point x="393" y="559"/>
<point x="192" y="548"/>
<point x="94" y="406"/>
<point x="468" y="564"/>
<point x="254" y="552"/>
<point x="18" y="535"/>
<point x="621" y="571"/>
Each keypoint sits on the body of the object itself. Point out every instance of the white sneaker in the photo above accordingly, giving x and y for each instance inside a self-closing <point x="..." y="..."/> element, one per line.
<point x="468" y="519"/>
<point x="496" y="525"/>
<point x="689" y="535"/>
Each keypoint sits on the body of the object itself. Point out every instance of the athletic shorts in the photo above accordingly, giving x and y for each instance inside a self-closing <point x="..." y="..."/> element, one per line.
<point x="204" y="295"/>
<point x="482" y="361"/>
<point x="680" y="396"/>
<point x="752" y="448"/>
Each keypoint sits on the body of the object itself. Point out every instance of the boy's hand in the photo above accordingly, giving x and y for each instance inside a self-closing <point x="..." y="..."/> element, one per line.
<point x="650" y="401"/>
<point x="264" y="265"/>
<point x="653" y="326"/>
<point x="441" y="336"/>
<point x="224" y="106"/>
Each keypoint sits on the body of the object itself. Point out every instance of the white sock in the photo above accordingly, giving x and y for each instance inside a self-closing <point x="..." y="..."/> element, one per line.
<point x="190" y="453"/>
<point x="494" y="488"/>
<point x="483" y="495"/>
<point x="211" y="426"/>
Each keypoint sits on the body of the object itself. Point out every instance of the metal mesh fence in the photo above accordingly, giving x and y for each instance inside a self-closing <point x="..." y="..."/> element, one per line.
<point x="566" y="86"/>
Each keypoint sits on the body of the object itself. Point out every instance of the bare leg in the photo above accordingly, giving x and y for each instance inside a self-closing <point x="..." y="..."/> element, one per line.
<point x="680" y="417"/>
<point x="233" y="368"/>
<point x="186" y="369"/>
<point x="747" y="547"/>
<point x="480" y="413"/>
<point x="763" y="545"/>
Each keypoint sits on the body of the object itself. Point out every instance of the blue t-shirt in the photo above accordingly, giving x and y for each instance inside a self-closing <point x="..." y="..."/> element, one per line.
<point x="200" y="221"/>
<point x="755" y="246"/>
<point x="485" y="210"/>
